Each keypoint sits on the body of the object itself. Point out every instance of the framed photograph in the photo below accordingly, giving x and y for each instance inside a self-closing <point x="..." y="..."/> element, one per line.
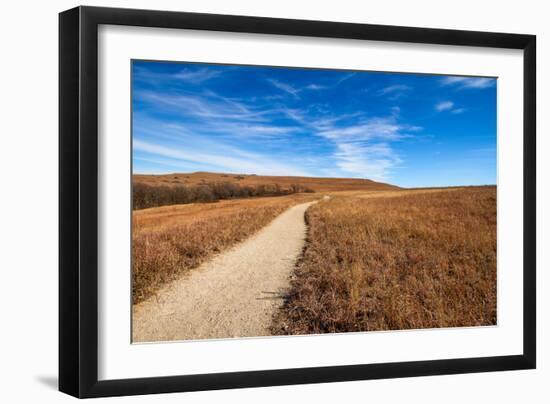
<point x="251" y="201"/>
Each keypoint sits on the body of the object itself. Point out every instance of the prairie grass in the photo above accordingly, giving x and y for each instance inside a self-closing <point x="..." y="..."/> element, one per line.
<point x="169" y="241"/>
<point x="316" y="184"/>
<point x="419" y="260"/>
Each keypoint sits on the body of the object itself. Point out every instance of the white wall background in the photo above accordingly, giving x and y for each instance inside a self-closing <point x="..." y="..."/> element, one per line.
<point x="28" y="201"/>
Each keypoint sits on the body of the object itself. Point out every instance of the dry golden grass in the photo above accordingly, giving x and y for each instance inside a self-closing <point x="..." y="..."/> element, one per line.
<point x="391" y="193"/>
<point x="316" y="184"/>
<point x="170" y="240"/>
<point x="420" y="260"/>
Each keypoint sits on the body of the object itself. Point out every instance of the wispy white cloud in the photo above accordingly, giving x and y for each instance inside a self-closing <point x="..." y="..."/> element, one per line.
<point x="242" y="130"/>
<point x="359" y="145"/>
<point x="314" y="87"/>
<point x="316" y="123"/>
<point x="287" y="88"/>
<point x="200" y="106"/>
<point x="197" y="76"/>
<point x="374" y="161"/>
<point x="468" y="82"/>
<point x="444" y="106"/>
<point x="338" y="124"/>
<point x="393" y="88"/>
<point x="365" y="149"/>
<point x="363" y="146"/>
<point x="345" y="77"/>
<point x="395" y="91"/>
<point x="211" y="114"/>
<point x="187" y="75"/>
<point x="236" y="162"/>
<point x="378" y="128"/>
<point x="295" y="91"/>
<point x="448" y="106"/>
<point x="395" y="111"/>
<point x="210" y="135"/>
<point x="168" y="162"/>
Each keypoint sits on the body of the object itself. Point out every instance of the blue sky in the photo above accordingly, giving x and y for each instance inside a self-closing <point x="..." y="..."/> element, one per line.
<point x="406" y="129"/>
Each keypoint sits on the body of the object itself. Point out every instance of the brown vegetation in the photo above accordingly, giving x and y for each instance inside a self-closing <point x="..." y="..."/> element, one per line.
<point x="285" y="182"/>
<point x="421" y="260"/>
<point x="168" y="241"/>
<point x="148" y="196"/>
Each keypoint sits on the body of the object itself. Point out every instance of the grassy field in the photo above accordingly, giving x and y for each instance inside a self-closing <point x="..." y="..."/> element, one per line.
<point x="377" y="257"/>
<point x="396" y="260"/>
<point x="168" y="241"/>
<point x="316" y="184"/>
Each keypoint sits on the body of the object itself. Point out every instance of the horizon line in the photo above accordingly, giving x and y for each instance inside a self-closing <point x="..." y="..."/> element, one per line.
<point x="302" y="176"/>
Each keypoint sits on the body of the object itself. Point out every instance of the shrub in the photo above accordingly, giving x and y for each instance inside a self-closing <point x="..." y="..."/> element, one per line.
<point x="148" y="196"/>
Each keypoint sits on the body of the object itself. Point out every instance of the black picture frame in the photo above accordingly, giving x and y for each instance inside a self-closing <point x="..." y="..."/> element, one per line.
<point x="78" y="201"/>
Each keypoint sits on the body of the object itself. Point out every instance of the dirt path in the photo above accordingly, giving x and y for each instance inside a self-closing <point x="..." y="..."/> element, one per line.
<point x="233" y="295"/>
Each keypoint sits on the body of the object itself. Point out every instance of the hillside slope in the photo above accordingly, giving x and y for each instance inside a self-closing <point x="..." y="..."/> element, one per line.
<point x="317" y="184"/>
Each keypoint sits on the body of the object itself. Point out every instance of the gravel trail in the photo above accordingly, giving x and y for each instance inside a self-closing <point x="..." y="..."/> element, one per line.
<point x="233" y="295"/>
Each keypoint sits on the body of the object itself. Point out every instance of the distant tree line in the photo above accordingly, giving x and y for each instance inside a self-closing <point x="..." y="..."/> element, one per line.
<point x="148" y="196"/>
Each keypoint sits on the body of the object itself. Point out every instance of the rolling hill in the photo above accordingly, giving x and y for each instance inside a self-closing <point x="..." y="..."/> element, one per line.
<point x="317" y="184"/>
